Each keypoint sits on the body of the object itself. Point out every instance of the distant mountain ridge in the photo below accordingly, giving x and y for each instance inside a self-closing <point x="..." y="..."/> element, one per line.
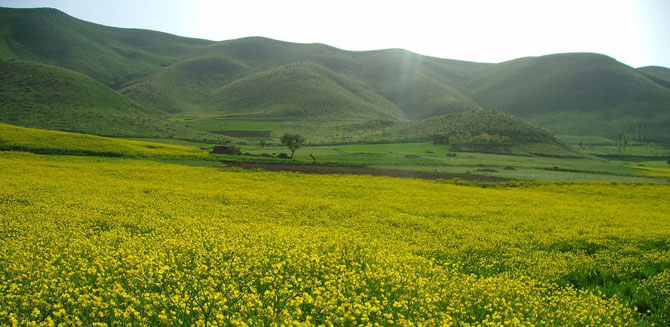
<point x="259" y="78"/>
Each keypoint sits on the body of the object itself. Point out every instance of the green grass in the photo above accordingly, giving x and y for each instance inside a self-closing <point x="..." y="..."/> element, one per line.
<point x="585" y="140"/>
<point x="426" y="156"/>
<point x="660" y="75"/>
<point x="422" y="87"/>
<point x="43" y="96"/>
<point x="524" y="137"/>
<point x="578" y="94"/>
<point x="113" y="56"/>
<point x="186" y="86"/>
<point x="302" y="91"/>
<point x="608" y="147"/>
<point x="17" y="138"/>
<point x="218" y="123"/>
<point x="635" y="150"/>
<point x="655" y="163"/>
<point x="473" y="123"/>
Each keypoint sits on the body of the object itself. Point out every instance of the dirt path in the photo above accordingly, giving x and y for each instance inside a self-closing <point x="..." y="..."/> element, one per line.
<point x="359" y="170"/>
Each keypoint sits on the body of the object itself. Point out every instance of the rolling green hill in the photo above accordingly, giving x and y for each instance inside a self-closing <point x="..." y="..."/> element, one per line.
<point x="407" y="81"/>
<point x="185" y="86"/>
<point x="260" y="78"/>
<point x="475" y="122"/>
<point x="483" y="130"/>
<point x="302" y="91"/>
<point x="421" y="86"/>
<point x="113" y="56"/>
<point x="577" y="94"/>
<point x="660" y="75"/>
<point x="49" y="97"/>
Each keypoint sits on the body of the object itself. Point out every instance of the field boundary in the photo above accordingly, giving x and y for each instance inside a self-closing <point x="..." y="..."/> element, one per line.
<point x="361" y="170"/>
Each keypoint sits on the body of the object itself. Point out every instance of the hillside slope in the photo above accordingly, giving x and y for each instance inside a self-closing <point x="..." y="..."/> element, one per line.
<point x="302" y="91"/>
<point x="569" y="94"/>
<point x="420" y="86"/>
<point x="475" y="122"/>
<point x="474" y="130"/>
<point x="577" y="94"/>
<point x="43" y="96"/>
<point x="660" y="75"/>
<point x="113" y="56"/>
<point x="185" y="86"/>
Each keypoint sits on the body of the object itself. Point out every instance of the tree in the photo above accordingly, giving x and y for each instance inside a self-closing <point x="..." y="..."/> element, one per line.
<point x="262" y="143"/>
<point x="623" y="143"/>
<point x="626" y="143"/>
<point x="292" y="141"/>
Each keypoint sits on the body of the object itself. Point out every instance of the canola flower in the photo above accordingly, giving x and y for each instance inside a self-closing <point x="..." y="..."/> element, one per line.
<point x="122" y="242"/>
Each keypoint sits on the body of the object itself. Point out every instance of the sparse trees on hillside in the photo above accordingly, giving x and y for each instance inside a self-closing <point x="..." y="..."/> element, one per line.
<point x="623" y="143"/>
<point x="638" y="133"/>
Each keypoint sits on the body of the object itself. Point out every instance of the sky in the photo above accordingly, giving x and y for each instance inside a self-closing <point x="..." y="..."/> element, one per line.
<point x="635" y="32"/>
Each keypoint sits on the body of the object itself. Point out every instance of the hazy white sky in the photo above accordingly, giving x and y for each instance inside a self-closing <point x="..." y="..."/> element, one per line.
<point x="635" y="32"/>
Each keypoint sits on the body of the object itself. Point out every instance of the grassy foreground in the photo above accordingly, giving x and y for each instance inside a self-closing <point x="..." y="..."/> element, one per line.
<point x="112" y="242"/>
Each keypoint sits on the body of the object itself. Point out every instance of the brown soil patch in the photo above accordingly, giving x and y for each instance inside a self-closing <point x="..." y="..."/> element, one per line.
<point x="359" y="170"/>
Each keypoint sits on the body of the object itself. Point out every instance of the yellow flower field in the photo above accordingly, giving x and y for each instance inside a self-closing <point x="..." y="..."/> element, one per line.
<point x="123" y="242"/>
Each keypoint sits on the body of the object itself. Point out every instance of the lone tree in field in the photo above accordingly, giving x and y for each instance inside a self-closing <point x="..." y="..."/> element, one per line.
<point x="292" y="141"/>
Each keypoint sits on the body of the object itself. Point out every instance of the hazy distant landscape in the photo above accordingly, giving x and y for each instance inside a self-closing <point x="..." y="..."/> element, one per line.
<point x="150" y="179"/>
